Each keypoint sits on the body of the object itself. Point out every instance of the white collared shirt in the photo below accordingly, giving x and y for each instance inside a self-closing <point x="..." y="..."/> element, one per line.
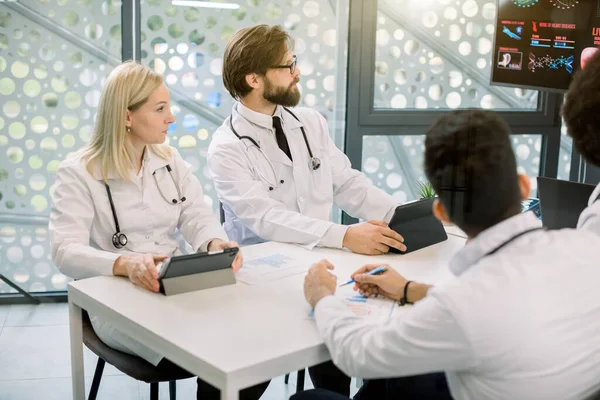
<point x="82" y="224"/>
<point x="523" y="323"/>
<point x="589" y="219"/>
<point x="259" y="207"/>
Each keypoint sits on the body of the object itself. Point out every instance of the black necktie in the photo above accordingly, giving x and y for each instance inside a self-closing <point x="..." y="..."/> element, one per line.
<point x="280" y="136"/>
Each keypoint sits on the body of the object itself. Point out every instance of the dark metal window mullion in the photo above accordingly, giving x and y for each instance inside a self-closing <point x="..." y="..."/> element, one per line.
<point x="131" y="30"/>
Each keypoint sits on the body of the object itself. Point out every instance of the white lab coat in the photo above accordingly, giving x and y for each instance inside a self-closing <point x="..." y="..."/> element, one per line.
<point x="589" y="219"/>
<point x="82" y="225"/>
<point x="299" y="209"/>
<point x="522" y="323"/>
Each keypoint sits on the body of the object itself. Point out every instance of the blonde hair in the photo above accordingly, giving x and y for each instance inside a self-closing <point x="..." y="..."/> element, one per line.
<point x="127" y="87"/>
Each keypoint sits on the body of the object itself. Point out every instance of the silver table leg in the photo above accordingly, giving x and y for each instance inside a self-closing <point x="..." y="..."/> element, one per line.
<point x="77" y="373"/>
<point x="230" y="393"/>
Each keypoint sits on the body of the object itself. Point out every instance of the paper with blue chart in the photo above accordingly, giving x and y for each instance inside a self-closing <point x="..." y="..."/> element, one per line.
<point x="271" y="267"/>
<point x="372" y="308"/>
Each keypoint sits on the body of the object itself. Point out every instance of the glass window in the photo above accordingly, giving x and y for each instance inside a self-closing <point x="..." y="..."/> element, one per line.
<point x="52" y="68"/>
<point x="564" y="161"/>
<point x="395" y="163"/>
<point x="438" y="55"/>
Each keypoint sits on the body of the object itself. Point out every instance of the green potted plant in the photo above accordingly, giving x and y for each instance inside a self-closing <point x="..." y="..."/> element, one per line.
<point x="425" y="190"/>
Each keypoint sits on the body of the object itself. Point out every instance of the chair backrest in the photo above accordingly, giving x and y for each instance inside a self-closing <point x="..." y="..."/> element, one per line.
<point x="131" y="365"/>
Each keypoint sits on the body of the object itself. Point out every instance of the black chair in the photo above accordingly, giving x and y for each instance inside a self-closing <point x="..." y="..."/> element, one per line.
<point x="132" y="366"/>
<point x="299" y="380"/>
<point x="301" y="373"/>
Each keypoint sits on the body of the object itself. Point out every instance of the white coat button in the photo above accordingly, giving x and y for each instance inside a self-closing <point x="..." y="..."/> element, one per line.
<point x="301" y="199"/>
<point x="148" y="237"/>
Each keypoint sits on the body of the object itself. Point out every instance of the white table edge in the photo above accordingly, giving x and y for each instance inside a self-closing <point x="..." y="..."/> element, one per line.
<point x="229" y="382"/>
<point x="78" y="300"/>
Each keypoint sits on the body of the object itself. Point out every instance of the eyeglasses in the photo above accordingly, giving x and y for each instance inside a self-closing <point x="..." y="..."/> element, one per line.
<point x="291" y="66"/>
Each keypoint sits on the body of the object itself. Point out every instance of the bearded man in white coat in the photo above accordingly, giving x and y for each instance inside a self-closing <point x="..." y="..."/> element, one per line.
<point x="278" y="173"/>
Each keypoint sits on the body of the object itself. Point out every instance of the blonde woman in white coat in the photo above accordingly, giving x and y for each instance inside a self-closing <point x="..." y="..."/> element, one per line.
<point x="119" y="202"/>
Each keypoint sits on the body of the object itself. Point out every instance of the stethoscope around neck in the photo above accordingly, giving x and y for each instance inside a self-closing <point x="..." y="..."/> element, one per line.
<point x="314" y="164"/>
<point x="119" y="240"/>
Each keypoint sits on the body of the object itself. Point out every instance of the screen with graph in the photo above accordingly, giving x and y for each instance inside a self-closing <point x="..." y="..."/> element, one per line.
<point x="542" y="43"/>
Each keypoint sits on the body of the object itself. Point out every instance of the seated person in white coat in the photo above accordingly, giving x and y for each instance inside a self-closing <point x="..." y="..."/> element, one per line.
<point x="276" y="170"/>
<point x="521" y="320"/>
<point x="118" y="202"/>
<point x="580" y="112"/>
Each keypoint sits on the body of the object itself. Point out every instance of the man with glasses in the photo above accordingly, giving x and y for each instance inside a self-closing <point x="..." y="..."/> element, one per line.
<point x="276" y="170"/>
<point x="278" y="173"/>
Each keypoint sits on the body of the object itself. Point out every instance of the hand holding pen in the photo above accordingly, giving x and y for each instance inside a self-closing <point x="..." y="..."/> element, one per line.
<point x="379" y="279"/>
<point x="376" y="271"/>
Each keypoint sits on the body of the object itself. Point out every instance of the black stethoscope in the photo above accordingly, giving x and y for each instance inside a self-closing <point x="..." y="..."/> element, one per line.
<point x="512" y="239"/>
<point x="315" y="162"/>
<point x="119" y="239"/>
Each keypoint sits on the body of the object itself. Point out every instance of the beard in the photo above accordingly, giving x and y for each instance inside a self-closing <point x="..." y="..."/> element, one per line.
<point x="286" y="97"/>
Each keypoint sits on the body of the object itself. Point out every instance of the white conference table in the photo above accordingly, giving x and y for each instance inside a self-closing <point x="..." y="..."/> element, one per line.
<point x="238" y="335"/>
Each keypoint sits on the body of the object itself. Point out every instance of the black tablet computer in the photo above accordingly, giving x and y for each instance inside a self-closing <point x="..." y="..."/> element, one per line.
<point x="417" y="225"/>
<point x="196" y="263"/>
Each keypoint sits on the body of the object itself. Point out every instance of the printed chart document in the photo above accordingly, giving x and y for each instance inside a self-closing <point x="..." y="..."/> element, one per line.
<point x="372" y="308"/>
<point x="270" y="268"/>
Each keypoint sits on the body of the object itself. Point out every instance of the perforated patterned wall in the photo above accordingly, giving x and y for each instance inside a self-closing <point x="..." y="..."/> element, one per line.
<point x="438" y="54"/>
<point x="395" y="163"/>
<point x="564" y="160"/>
<point x="54" y="56"/>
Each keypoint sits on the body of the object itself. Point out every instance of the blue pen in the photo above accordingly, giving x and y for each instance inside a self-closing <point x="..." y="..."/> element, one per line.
<point x="376" y="271"/>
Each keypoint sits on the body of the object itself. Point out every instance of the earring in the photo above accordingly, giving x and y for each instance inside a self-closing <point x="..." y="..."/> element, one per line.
<point x="128" y="129"/>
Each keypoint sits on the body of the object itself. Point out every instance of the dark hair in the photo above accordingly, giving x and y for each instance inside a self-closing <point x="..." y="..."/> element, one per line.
<point x="581" y="110"/>
<point x="253" y="50"/>
<point x="470" y="163"/>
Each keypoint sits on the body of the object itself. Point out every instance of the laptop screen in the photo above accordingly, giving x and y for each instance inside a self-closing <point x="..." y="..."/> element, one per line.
<point x="562" y="201"/>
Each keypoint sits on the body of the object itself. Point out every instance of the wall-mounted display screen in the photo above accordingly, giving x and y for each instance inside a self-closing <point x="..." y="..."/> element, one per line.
<point x="542" y="43"/>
